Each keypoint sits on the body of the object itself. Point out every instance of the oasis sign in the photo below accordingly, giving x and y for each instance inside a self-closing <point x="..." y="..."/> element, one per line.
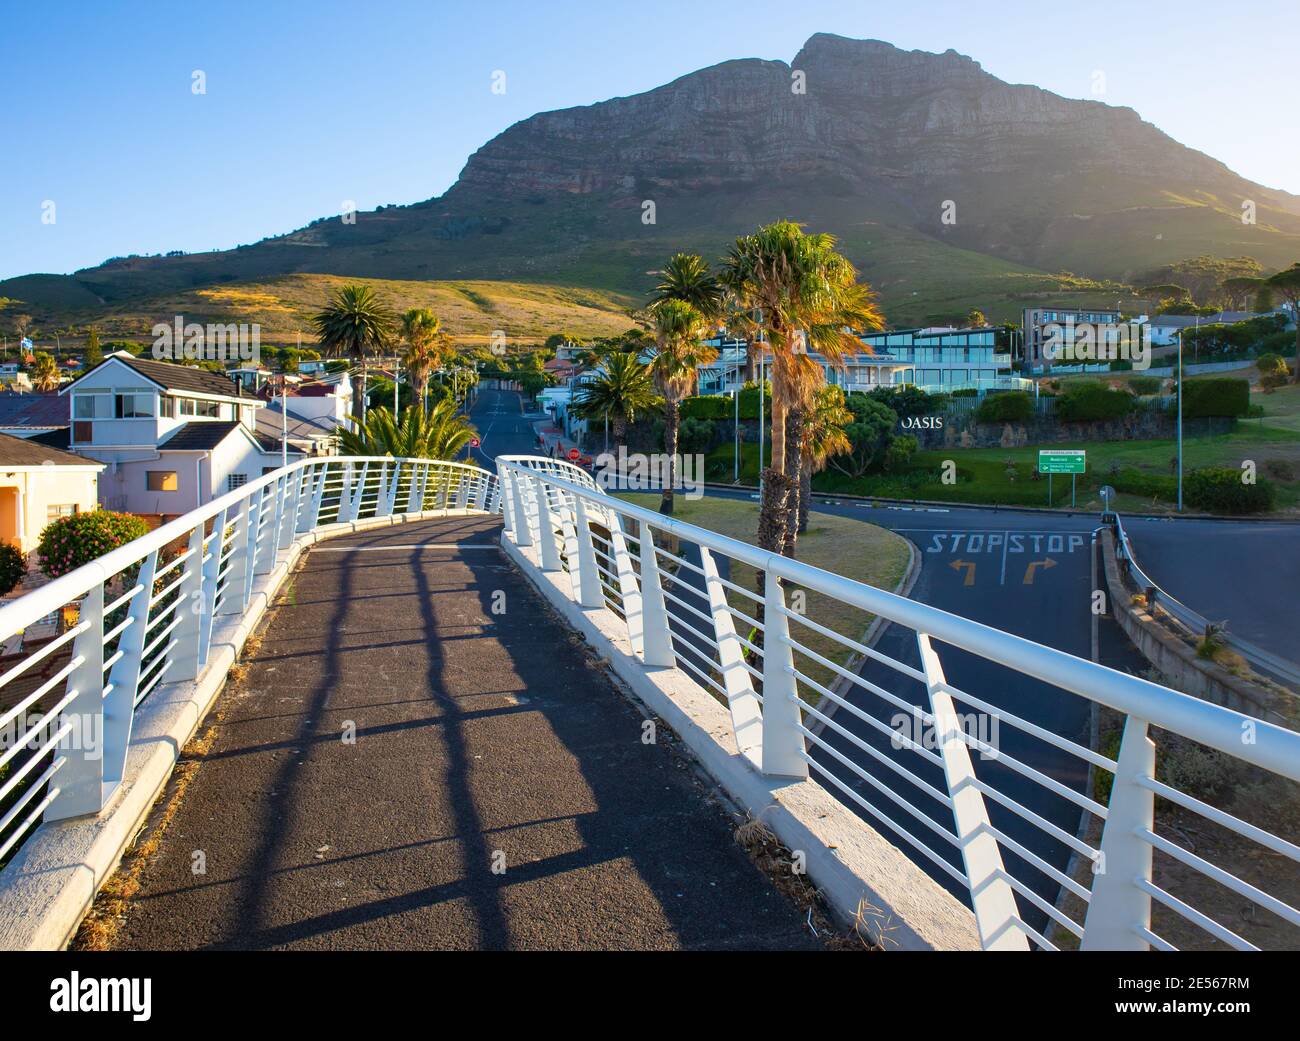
<point x="921" y="423"/>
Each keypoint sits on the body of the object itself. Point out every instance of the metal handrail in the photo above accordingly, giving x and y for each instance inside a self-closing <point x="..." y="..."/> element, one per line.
<point x="667" y="604"/>
<point x="145" y="620"/>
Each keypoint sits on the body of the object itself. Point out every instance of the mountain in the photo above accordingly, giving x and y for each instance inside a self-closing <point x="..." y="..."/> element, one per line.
<point x="875" y="144"/>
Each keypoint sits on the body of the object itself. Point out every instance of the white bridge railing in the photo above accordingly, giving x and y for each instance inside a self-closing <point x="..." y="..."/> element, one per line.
<point x="1025" y="827"/>
<point x="144" y="615"/>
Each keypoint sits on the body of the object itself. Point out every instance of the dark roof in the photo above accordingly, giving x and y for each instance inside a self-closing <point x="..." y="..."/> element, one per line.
<point x="199" y="436"/>
<point x="58" y="438"/>
<point x="33" y="410"/>
<point x="185" y="378"/>
<point x="18" y="451"/>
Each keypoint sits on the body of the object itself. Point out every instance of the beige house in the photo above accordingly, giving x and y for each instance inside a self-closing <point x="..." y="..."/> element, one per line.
<point x="39" y="484"/>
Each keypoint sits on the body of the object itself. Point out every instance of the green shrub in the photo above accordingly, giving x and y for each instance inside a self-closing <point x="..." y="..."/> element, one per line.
<point x="695" y="436"/>
<point x="1011" y="406"/>
<point x="707" y="406"/>
<point x="1145" y="384"/>
<point x="1215" y="397"/>
<point x="130" y="346"/>
<point x="1217" y="489"/>
<point x="13" y="566"/>
<point x="966" y="392"/>
<point x="69" y="542"/>
<point x="1137" y="482"/>
<point x="1271" y="364"/>
<point x="1086" y="402"/>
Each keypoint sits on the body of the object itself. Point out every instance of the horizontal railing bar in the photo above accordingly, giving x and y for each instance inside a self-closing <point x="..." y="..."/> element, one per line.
<point x="1215" y="929"/>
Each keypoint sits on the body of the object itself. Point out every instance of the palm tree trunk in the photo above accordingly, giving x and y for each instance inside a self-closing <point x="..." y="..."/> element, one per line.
<point x="793" y="469"/>
<point x="805" y="493"/>
<point x="362" y="412"/>
<point x="672" y="419"/>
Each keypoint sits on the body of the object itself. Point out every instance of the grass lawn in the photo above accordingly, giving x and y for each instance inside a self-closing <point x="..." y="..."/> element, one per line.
<point x="984" y="474"/>
<point x="848" y="547"/>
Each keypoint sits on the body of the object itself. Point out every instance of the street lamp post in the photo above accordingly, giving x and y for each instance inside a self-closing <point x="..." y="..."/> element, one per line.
<point x="1180" y="421"/>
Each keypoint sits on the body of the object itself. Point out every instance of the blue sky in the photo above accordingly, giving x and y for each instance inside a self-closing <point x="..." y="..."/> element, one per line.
<point x="312" y="103"/>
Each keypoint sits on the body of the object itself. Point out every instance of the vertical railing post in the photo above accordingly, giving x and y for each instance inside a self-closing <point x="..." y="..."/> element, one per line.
<point x="550" y="554"/>
<point x="783" y="744"/>
<point x="658" y="646"/>
<point x="211" y="577"/>
<point x="276" y="533"/>
<point x="590" y="593"/>
<point x="124" y="676"/>
<point x="81" y="778"/>
<point x="629" y="588"/>
<point x="186" y="655"/>
<point x="523" y="534"/>
<point x="491" y="493"/>
<point x="746" y="716"/>
<point x="991" y="896"/>
<point x="266" y="543"/>
<point x="317" y="497"/>
<point x="235" y="593"/>
<point x="290" y="528"/>
<point x="1118" y="907"/>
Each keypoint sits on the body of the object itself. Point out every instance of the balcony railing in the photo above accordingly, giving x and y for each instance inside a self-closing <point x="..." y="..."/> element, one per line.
<point x="1044" y="853"/>
<point x="146" y="615"/>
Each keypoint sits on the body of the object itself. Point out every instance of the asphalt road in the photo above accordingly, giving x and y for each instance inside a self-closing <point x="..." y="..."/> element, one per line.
<point x="503" y="425"/>
<point x="496" y="791"/>
<point x="1247" y="572"/>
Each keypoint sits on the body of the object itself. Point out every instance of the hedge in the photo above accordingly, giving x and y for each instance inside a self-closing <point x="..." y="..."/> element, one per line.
<point x="1089" y="402"/>
<point x="1145" y="384"/>
<point x="722" y="406"/>
<point x="1012" y="406"/>
<point x="1132" y="481"/>
<point x="1215" y="397"/>
<point x="1218" y="489"/>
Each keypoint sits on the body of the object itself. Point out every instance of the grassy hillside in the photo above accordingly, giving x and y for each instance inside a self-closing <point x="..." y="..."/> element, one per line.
<point x="472" y="310"/>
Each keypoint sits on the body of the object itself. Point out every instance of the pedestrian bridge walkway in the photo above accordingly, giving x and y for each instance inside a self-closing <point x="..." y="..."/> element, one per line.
<point x="401" y="767"/>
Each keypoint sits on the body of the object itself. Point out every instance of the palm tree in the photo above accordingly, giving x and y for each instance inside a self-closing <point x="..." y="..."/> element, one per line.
<point x="1287" y="283"/>
<point x="44" y="372"/>
<point x="621" y="391"/>
<point x="442" y="433"/>
<point x="426" y="347"/>
<point x="355" y="324"/>
<point x="678" y="329"/>
<point x="807" y="297"/>
<point x="823" y="437"/>
<point x="687" y="278"/>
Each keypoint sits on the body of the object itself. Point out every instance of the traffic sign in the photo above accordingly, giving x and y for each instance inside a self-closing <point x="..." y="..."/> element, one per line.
<point x="573" y="453"/>
<point x="1062" y="461"/>
<point x="473" y="442"/>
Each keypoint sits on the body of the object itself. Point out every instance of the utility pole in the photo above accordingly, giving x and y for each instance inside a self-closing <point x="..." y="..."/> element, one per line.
<point x="284" y="419"/>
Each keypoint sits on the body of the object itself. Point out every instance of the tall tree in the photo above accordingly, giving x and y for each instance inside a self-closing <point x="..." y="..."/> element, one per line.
<point x="679" y="327"/>
<point x="427" y="346"/>
<point x="93" y="354"/>
<point x="44" y="372"/>
<point x="823" y="437"/>
<point x="807" y="297"/>
<point x="1287" y="284"/>
<point x="622" y="390"/>
<point x="1238" y="291"/>
<point x="355" y="324"/>
<point x="687" y="278"/>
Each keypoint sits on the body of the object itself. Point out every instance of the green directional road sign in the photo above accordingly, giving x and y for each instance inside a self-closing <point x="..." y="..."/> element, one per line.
<point x="1062" y="461"/>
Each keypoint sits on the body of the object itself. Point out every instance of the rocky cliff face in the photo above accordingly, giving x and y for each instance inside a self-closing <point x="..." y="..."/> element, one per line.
<point x="868" y="111"/>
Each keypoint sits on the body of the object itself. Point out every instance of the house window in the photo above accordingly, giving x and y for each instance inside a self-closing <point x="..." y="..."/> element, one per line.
<point x="167" y="407"/>
<point x="83" y="431"/>
<point x="160" y="480"/>
<point x="53" y="513"/>
<point x="236" y="481"/>
<point x="92" y="403"/>
<point x="130" y="404"/>
<point x="203" y="409"/>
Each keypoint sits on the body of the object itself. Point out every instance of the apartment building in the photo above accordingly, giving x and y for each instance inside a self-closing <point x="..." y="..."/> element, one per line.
<point x="1037" y="323"/>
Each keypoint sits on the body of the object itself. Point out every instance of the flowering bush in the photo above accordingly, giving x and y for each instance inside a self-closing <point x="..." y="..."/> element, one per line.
<point x="13" y="565"/>
<point x="69" y="542"/>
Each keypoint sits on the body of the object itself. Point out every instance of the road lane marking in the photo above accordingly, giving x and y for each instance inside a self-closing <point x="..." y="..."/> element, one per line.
<point x="1030" y="571"/>
<point x="969" y="565"/>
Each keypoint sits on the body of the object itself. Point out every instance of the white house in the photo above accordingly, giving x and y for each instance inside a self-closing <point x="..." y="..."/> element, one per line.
<point x="39" y="484"/>
<point x="173" y="436"/>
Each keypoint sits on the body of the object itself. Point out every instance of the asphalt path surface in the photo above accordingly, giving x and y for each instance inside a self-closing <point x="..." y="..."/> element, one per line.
<point x="497" y="792"/>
